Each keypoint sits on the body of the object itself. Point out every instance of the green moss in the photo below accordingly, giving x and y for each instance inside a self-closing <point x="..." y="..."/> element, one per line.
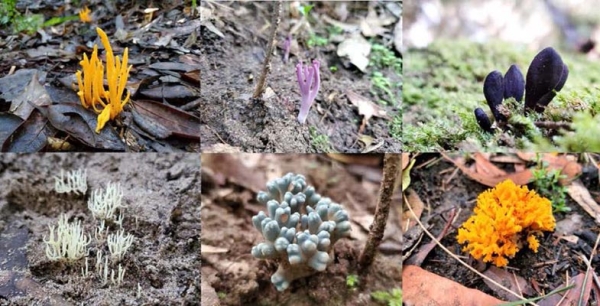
<point x="444" y="84"/>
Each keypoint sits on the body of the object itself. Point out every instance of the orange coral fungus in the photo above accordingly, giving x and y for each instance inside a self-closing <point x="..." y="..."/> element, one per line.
<point x="91" y="85"/>
<point x="84" y="15"/>
<point x="504" y="219"/>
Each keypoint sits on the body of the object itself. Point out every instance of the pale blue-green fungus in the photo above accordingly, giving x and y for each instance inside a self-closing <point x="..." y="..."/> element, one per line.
<point x="300" y="229"/>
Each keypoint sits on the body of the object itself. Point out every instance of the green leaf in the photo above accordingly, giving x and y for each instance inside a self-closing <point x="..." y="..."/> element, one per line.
<point x="305" y="9"/>
<point x="406" y="175"/>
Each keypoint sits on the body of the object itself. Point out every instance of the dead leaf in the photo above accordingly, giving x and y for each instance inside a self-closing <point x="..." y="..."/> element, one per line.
<point x="417" y="206"/>
<point x="509" y="280"/>
<point x="366" y="108"/>
<point x="31" y="136"/>
<point x="569" y="225"/>
<point x="80" y="123"/>
<point x="582" y="196"/>
<point x="572" y="296"/>
<point x="179" y="123"/>
<point x="421" y="287"/>
<point x="489" y="175"/>
<point x="405" y="160"/>
<point x="34" y="95"/>
<point x="357" y="49"/>
<point x="9" y="123"/>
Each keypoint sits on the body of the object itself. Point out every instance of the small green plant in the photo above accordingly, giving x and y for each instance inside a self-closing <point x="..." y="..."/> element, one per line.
<point x="392" y="298"/>
<point x="382" y="86"/>
<point x="305" y="9"/>
<point x="333" y="68"/>
<point x="546" y="182"/>
<point x="319" y="141"/>
<point x="316" y="40"/>
<point x="382" y="57"/>
<point x="221" y="295"/>
<point x="352" y="281"/>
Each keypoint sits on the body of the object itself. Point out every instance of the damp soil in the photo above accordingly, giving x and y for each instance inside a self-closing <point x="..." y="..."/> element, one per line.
<point x="161" y="194"/>
<point x="547" y="268"/>
<point x="237" y="278"/>
<point x="231" y="68"/>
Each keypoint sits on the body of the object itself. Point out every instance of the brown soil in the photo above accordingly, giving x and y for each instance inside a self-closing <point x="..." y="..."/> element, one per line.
<point x="161" y="192"/>
<point x="229" y="114"/>
<point x="240" y="279"/>
<point x="461" y="192"/>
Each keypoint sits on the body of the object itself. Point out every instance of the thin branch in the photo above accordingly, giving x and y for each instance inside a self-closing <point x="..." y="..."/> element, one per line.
<point x="275" y="19"/>
<point x="391" y="173"/>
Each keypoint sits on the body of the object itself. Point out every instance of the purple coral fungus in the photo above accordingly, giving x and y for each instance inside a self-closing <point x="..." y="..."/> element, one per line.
<point x="309" y="81"/>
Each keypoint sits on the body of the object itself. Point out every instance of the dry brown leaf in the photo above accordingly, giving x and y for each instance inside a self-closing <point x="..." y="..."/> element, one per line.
<point x="366" y="108"/>
<point x="405" y="160"/>
<point x="509" y="280"/>
<point x="582" y="196"/>
<point x="421" y="287"/>
<point x="487" y="174"/>
<point x="232" y="168"/>
<point x="417" y="205"/>
<point x="572" y="295"/>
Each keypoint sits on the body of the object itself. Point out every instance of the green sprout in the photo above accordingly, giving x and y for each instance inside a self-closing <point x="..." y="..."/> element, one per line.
<point x="319" y="141"/>
<point x="380" y="84"/>
<point x="305" y="9"/>
<point x="392" y="298"/>
<point x="382" y="57"/>
<point x="316" y="40"/>
<point x="333" y="68"/>
<point x="352" y="281"/>
<point x="546" y="182"/>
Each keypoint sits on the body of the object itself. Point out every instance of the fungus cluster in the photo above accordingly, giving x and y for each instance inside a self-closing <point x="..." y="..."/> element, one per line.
<point x="300" y="229"/>
<point x="505" y="218"/>
<point x="546" y="76"/>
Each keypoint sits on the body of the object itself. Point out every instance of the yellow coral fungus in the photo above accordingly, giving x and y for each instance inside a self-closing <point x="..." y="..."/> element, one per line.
<point x="84" y="15"/>
<point x="91" y="85"/>
<point x="504" y="219"/>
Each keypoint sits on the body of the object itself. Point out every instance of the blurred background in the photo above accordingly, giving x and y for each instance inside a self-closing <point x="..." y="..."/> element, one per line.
<point x="574" y="24"/>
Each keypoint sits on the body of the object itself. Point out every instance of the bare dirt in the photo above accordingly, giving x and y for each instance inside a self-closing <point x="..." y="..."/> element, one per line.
<point x="441" y="189"/>
<point x="230" y="70"/>
<point x="162" y="193"/>
<point x="228" y="203"/>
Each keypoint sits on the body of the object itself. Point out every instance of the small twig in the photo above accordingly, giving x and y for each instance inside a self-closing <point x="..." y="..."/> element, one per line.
<point x="275" y="19"/>
<point x="391" y="167"/>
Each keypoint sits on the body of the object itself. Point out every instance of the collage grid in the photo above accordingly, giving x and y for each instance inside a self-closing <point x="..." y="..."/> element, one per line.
<point x="297" y="152"/>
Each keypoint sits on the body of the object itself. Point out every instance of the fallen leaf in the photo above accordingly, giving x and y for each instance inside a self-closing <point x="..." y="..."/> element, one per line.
<point x="421" y="287"/>
<point x="178" y="122"/>
<point x="582" y="196"/>
<point x="80" y="123"/>
<point x="9" y="123"/>
<point x="366" y="108"/>
<point x="357" y="49"/>
<point x="405" y="159"/>
<point x="572" y="296"/>
<point x="33" y="95"/>
<point x="417" y="206"/>
<point x="406" y="175"/>
<point x="31" y="136"/>
<point x="509" y="280"/>
<point x="174" y="94"/>
<point x="569" y="225"/>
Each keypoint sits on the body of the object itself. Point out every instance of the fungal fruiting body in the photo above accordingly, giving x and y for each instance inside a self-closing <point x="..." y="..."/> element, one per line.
<point x="505" y="218"/>
<point x="300" y="229"/>
<point x="546" y="76"/>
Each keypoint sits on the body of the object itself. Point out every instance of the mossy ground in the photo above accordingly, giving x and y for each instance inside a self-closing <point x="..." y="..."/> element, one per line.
<point x="444" y="84"/>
